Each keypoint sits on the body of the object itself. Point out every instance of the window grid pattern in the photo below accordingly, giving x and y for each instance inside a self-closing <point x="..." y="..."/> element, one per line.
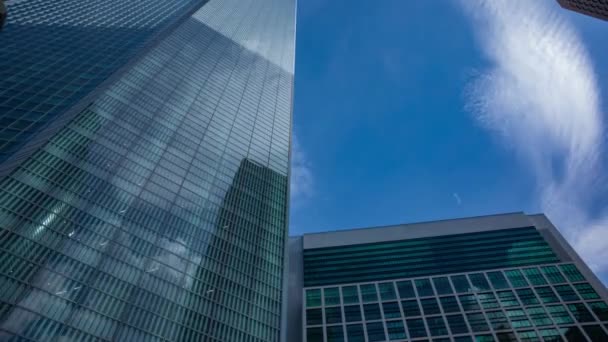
<point x="159" y="212"/>
<point x="499" y="313"/>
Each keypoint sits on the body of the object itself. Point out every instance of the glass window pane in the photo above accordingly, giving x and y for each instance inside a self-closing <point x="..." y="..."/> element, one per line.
<point x="600" y="309"/>
<point x="410" y="308"/>
<point x="333" y="315"/>
<point x="498" y="280"/>
<point x="566" y="293"/>
<point x="352" y="313"/>
<point x="546" y="294"/>
<point x="534" y="276"/>
<point x="313" y="297"/>
<point x="528" y="336"/>
<point x="372" y="311"/>
<point x="518" y="318"/>
<point x="550" y="335"/>
<point x="553" y="274"/>
<point x="479" y="282"/>
<point x="580" y="312"/>
<point x="463" y="339"/>
<point x="350" y="295"/>
<point x="595" y="333"/>
<point x="461" y="284"/>
<point x="498" y="320"/>
<point x="449" y="304"/>
<point x="387" y="291"/>
<point x="507" y="299"/>
<point x="516" y="278"/>
<point x="477" y="322"/>
<point x="391" y="310"/>
<point x="375" y="332"/>
<point x="314" y="316"/>
<point x="424" y="288"/>
<point x="406" y="289"/>
<point x="355" y="333"/>
<point x="436" y="326"/>
<point x="488" y="300"/>
<point x="586" y="291"/>
<point x="484" y="338"/>
<point x="416" y="328"/>
<point x="457" y="324"/>
<point x="506" y="337"/>
<point x="573" y="334"/>
<point x="560" y="314"/>
<point x="572" y="273"/>
<point x="539" y="316"/>
<point x="468" y="302"/>
<point x="335" y="334"/>
<point x="314" y="334"/>
<point x="396" y="330"/>
<point x="332" y="296"/>
<point x="442" y="285"/>
<point x="527" y="296"/>
<point x="430" y="306"/>
<point x="369" y="293"/>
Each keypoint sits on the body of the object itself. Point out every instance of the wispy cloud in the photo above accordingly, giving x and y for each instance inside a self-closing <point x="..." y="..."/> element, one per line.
<point x="301" y="173"/>
<point x="457" y="198"/>
<point x="542" y="98"/>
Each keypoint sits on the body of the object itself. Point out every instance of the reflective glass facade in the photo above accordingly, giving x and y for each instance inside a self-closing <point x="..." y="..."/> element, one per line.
<point x="158" y="211"/>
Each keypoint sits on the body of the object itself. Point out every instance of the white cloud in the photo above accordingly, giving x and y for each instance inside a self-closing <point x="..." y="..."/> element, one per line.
<point x="457" y="198"/>
<point x="542" y="97"/>
<point x="301" y="174"/>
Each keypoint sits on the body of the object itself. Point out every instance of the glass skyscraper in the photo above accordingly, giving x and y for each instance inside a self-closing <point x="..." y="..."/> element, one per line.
<point x="144" y="163"/>
<point x="501" y="278"/>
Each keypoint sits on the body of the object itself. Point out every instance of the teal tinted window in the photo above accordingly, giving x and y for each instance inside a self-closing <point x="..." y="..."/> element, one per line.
<point x="468" y="302"/>
<point x="498" y="280"/>
<point x="550" y="335"/>
<point x="461" y="283"/>
<point x="387" y="291"/>
<point x="507" y="298"/>
<point x="586" y="291"/>
<point x="477" y="322"/>
<point x="546" y="294"/>
<point x="527" y="296"/>
<point x="355" y="333"/>
<point x="314" y="316"/>
<point x="436" y="326"/>
<point x="553" y="274"/>
<point x="479" y="282"/>
<point x="333" y="315"/>
<point x="518" y="318"/>
<point x="498" y="320"/>
<point x="416" y="328"/>
<point x="595" y="333"/>
<point x="332" y="296"/>
<point x="534" y="276"/>
<point x="600" y="309"/>
<point x="396" y="330"/>
<point x="449" y="304"/>
<point x="516" y="278"/>
<point x="580" y="312"/>
<point x="442" y="285"/>
<point x="566" y="293"/>
<point x="528" y="336"/>
<point x="313" y="297"/>
<point x="572" y="273"/>
<point x="314" y="334"/>
<point x="457" y="324"/>
<point x="539" y="316"/>
<point x="375" y="332"/>
<point x="488" y="300"/>
<point x="410" y="308"/>
<point x="350" y="295"/>
<point x="484" y="338"/>
<point x="573" y="334"/>
<point x="424" y="287"/>
<point x="430" y="306"/>
<point x="352" y="313"/>
<point x="406" y="289"/>
<point x="369" y="293"/>
<point x="335" y="334"/>
<point x="372" y="311"/>
<point x="506" y="337"/>
<point x="559" y="314"/>
<point x="391" y="310"/>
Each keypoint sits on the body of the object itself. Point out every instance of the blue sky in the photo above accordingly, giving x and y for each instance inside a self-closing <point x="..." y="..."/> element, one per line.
<point x="410" y="111"/>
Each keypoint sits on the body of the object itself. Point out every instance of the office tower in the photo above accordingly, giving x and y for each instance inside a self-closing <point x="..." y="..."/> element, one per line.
<point x="594" y="8"/>
<point x="508" y="277"/>
<point x="144" y="169"/>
